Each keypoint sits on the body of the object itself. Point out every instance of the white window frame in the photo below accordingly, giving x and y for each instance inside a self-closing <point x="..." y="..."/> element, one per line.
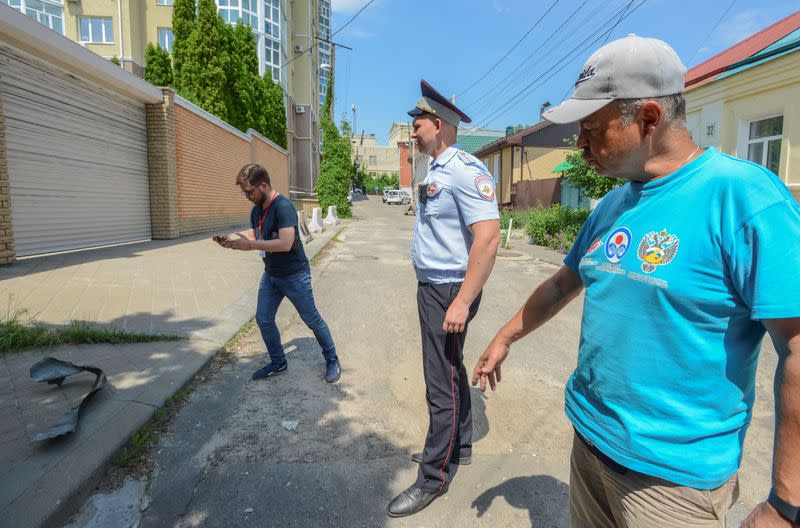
<point x="169" y="3"/>
<point x="45" y="19"/>
<point x="103" y="30"/>
<point x="744" y="141"/>
<point x="170" y="42"/>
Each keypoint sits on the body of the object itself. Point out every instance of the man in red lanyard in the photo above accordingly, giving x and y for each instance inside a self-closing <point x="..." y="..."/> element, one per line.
<point x="286" y="270"/>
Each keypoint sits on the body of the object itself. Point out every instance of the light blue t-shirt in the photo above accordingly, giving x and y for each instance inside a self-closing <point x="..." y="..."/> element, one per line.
<point x="678" y="272"/>
<point x="458" y="193"/>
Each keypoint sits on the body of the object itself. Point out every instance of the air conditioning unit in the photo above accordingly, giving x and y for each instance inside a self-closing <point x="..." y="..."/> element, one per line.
<point x="299" y="109"/>
<point x="298" y="48"/>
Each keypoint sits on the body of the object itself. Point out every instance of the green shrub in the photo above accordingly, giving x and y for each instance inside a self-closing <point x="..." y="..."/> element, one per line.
<point x="556" y="227"/>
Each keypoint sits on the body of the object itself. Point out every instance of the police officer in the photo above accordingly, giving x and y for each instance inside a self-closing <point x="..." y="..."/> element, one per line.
<point x="456" y="236"/>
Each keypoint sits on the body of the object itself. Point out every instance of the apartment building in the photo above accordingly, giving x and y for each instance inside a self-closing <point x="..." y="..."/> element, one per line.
<point x="287" y="32"/>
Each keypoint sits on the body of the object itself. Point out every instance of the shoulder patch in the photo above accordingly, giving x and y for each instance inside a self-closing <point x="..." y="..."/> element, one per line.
<point x="485" y="186"/>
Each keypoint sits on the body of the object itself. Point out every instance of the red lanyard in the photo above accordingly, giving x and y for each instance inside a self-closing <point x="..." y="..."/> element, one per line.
<point x="264" y="216"/>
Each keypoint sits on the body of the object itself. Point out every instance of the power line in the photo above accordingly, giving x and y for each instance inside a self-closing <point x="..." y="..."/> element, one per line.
<point x="311" y="47"/>
<point x="599" y="30"/>
<point x="530" y="56"/>
<point x="730" y="6"/>
<point x="522" y="93"/>
<point x="496" y="64"/>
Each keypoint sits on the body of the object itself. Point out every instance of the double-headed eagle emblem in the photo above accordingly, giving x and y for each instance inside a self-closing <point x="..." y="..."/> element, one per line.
<point x="657" y="249"/>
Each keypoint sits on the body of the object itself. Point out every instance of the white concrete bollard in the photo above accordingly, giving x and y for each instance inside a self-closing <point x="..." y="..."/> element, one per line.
<point x="332" y="219"/>
<point x="316" y="221"/>
<point x="302" y="224"/>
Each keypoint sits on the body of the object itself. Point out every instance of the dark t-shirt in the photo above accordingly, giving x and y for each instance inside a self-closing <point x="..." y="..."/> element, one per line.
<point x="281" y="213"/>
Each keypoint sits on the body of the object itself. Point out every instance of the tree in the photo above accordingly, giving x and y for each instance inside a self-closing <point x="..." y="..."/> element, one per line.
<point x="582" y="176"/>
<point x="242" y="85"/>
<point x="270" y="116"/>
<point x="203" y="74"/>
<point x="336" y="171"/>
<point x="183" y="21"/>
<point x="158" y="66"/>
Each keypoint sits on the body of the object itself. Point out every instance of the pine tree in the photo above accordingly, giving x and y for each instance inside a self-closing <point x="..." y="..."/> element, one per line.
<point x="183" y="21"/>
<point x="158" y="66"/>
<point x="270" y="111"/>
<point x="243" y="79"/>
<point x="203" y="75"/>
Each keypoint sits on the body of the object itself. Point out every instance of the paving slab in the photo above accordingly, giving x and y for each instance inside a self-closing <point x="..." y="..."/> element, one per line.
<point x="189" y="287"/>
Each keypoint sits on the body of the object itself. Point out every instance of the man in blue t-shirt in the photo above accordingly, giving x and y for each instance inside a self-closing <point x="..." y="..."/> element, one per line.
<point x="684" y="267"/>
<point x="287" y="273"/>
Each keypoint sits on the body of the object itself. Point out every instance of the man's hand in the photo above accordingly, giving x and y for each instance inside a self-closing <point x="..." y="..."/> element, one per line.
<point x="456" y="317"/>
<point x="765" y="516"/>
<point x="488" y="366"/>
<point x="242" y="243"/>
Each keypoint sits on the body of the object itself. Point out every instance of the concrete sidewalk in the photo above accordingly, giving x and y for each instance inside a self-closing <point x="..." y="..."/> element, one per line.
<point x="190" y="287"/>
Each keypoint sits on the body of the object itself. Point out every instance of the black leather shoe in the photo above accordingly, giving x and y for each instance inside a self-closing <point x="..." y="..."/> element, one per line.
<point x="410" y="502"/>
<point x="463" y="461"/>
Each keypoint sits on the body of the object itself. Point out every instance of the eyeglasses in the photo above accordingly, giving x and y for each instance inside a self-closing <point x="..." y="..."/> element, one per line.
<point x="250" y="192"/>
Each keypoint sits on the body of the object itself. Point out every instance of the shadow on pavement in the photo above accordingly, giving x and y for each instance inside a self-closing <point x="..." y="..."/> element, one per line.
<point x="546" y="499"/>
<point x="288" y="451"/>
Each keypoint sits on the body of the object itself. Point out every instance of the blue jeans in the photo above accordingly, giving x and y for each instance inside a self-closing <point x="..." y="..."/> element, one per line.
<point x="297" y="288"/>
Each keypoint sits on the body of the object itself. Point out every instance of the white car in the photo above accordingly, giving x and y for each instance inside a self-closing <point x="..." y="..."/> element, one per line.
<point x="394" y="197"/>
<point x="406" y="196"/>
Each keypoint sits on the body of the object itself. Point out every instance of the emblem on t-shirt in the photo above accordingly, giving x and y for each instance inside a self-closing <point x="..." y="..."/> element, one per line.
<point x="594" y="245"/>
<point x="433" y="189"/>
<point x="618" y="243"/>
<point x="485" y="185"/>
<point x="657" y="249"/>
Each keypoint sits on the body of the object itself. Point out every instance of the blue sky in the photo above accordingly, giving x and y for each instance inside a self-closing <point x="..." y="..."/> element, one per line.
<point x="452" y="43"/>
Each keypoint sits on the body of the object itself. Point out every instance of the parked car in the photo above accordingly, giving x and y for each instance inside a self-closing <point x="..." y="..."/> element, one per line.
<point x="406" y="196"/>
<point x="394" y="197"/>
<point x="385" y="194"/>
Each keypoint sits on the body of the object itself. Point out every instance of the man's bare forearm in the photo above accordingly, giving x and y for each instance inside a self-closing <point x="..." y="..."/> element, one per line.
<point x="545" y="302"/>
<point x="786" y="462"/>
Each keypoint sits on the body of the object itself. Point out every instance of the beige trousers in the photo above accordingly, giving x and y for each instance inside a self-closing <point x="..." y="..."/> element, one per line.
<point x="600" y="497"/>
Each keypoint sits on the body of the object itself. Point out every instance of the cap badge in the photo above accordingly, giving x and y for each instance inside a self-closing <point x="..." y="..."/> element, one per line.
<point x="587" y="73"/>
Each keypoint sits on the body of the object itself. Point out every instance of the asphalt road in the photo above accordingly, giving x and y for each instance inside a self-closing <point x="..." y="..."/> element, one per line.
<point x="228" y="459"/>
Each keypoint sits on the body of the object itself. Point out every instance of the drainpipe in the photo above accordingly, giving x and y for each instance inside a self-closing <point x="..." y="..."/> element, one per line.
<point x="121" y="46"/>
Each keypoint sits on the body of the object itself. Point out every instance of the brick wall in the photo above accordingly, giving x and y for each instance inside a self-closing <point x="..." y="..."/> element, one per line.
<point x="162" y="167"/>
<point x="275" y="161"/>
<point x="7" y="253"/>
<point x="208" y="158"/>
<point x="208" y="155"/>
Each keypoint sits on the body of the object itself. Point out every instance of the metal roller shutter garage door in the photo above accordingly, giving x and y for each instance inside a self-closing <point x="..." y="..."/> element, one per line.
<point x="77" y="159"/>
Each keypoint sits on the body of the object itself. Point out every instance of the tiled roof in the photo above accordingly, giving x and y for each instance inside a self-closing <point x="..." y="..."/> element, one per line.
<point x="711" y="69"/>
<point x="513" y="139"/>
<point x="472" y="143"/>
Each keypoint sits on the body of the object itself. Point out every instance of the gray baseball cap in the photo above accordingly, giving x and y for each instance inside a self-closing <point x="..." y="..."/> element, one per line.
<point x="629" y="68"/>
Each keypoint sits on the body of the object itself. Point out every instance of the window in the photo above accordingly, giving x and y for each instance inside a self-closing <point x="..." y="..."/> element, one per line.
<point x="764" y="142"/>
<point x="358" y="160"/>
<point x="373" y="160"/>
<point x="49" y="13"/>
<point x="164" y="2"/>
<point x="229" y="10"/>
<point x="166" y="38"/>
<point x="96" y="30"/>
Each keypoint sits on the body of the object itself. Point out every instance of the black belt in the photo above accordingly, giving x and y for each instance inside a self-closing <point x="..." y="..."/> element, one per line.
<point x="611" y="464"/>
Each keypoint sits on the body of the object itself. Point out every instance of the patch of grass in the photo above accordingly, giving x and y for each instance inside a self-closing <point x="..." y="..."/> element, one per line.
<point x="16" y="334"/>
<point x="136" y="450"/>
